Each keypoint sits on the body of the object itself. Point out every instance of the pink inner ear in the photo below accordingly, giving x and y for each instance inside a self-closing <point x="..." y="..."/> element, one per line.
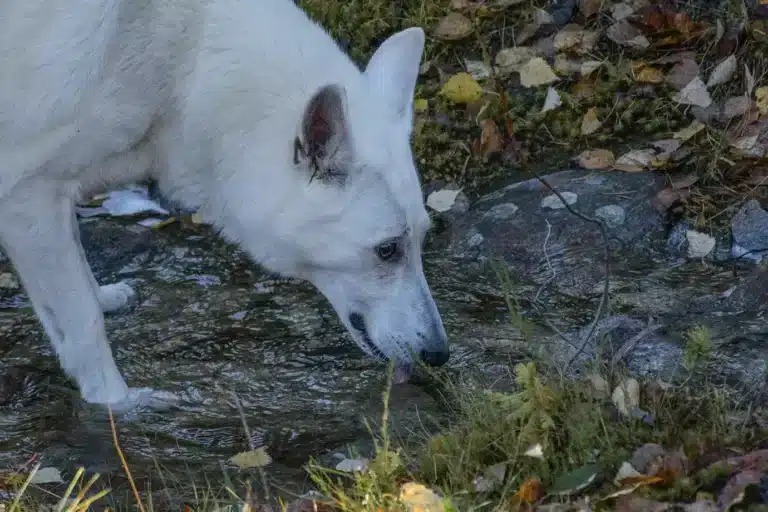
<point x="319" y="129"/>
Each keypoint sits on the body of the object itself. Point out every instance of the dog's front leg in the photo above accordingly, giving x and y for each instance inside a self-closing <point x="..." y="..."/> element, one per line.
<point x="39" y="235"/>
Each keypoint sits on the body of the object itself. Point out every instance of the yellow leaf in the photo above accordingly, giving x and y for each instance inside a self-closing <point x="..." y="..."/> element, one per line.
<point x="590" y="123"/>
<point x="649" y="75"/>
<point x="419" y="498"/>
<point x="252" y="459"/>
<point x="462" y="88"/>
<point x="420" y="105"/>
<point x="761" y="95"/>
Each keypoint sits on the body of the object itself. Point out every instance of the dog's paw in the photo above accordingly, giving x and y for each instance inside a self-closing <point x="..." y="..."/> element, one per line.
<point x="143" y="398"/>
<point x="114" y="296"/>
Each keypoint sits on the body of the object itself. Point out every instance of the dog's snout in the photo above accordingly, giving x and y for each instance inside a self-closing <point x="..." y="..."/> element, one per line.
<point x="435" y="357"/>
<point x="357" y="321"/>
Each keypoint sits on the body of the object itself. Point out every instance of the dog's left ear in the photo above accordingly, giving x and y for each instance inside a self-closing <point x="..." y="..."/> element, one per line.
<point x="394" y="69"/>
<point x="323" y="132"/>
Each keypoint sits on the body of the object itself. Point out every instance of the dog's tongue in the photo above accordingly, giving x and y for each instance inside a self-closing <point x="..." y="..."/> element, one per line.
<point x="402" y="373"/>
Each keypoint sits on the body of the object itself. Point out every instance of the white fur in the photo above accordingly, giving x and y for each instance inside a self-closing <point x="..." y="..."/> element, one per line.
<point x="208" y="97"/>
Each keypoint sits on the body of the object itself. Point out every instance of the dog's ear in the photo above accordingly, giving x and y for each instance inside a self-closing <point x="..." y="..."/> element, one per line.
<point x="394" y="69"/>
<point x="323" y="133"/>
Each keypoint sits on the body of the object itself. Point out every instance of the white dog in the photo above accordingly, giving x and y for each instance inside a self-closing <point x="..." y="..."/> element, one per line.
<point x="244" y="109"/>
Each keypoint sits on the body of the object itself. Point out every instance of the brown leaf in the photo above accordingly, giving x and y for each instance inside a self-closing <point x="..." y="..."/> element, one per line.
<point x="530" y="492"/>
<point x="642" y="480"/>
<point x="590" y="123"/>
<point x="682" y="74"/>
<point x="453" y="27"/>
<point x="590" y="7"/>
<point x="625" y="34"/>
<point x="490" y="139"/>
<point x="510" y="60"/>
<point x="596" y="159"/>
<point x="573" y="38"/>
<point x="669" y="198"/>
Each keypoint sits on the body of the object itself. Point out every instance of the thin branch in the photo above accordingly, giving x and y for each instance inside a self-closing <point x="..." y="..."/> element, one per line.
<point x="607" y="263"/>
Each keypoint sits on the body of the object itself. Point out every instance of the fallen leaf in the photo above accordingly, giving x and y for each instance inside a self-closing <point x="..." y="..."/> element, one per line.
<point x="685" y="181"/>
<point x="682" y="73"/>
<point x="596" y="159"/>
<point x="749" y="80"/>
<point x="669" y="197"/>
<point x="649" y="75"/>
<point x="536" y="72"/>
<point x="352" y="465"/>
<point x="701" y="506"/>
<point x="599" y="384"/>
<point x="590" y="66"/>
<point x="756" y="460"/>
<point x="640" y="480"/>
<point x="735" y="106"/>
<point x="252" y="459"/>
<point x="540" y="18"/>
<point x="573" y="38"/>
<point x="575" y="480"/>
<point x="722" y="72"/>
<point x="590" y="123"/>
<point x="419" y="498"/>
<point x="639" y="504"/>
<point x="478" y="69"/>
<point x="625" y="34"/>
<point x="626" y="470"/>
<point x="565" y="65"/>
<point x="761" y="97"/>
<point x="535" y="451"/>
<point x="511" y="60"/>
<point x="621" y="10"/>
<point x="735" y="490"/>
<point x="490" y="139"/>
<point x="689" y="131"/>
<point x="492" y="477"/>
<point x="648" y="457"/>
<point x="695" y="93"/>
<point x="636" y="160"/>
<point x="420" y="105"/>
<point x="590" y="7"/>
<point x="46" y="476"/>
<point x="530" y="492"/>
<point x="553" y="202"/>
<point x="462" y="88"/>
<point x="699" y="244"/>
<point x="453" y="27"/>
<point x="626" y="396"/>
<point x="552" y="101"/>
<point x="442" y="200"/>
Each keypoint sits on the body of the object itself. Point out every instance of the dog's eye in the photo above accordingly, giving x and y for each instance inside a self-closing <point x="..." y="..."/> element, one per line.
<point x="386" y="250"/>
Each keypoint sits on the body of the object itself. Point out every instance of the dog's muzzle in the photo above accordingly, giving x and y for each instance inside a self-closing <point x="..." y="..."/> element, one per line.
<point x="437" y="356"/>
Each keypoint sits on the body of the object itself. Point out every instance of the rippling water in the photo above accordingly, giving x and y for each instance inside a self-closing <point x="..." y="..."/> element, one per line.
<point x="207" y="323"/>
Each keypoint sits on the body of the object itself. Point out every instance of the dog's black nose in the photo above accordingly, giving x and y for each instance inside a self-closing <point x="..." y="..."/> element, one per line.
<point x="357" y="321"/>
<point x="435" y="358"/>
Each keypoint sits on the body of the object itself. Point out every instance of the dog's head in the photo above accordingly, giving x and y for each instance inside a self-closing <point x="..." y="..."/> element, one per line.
<point x="347" y="214"/>
<point x="361" y="238"/>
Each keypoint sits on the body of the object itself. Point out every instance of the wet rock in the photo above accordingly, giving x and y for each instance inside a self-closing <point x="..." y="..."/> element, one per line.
<point x="574" y="248"/>
<point x="750" y="228"/>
